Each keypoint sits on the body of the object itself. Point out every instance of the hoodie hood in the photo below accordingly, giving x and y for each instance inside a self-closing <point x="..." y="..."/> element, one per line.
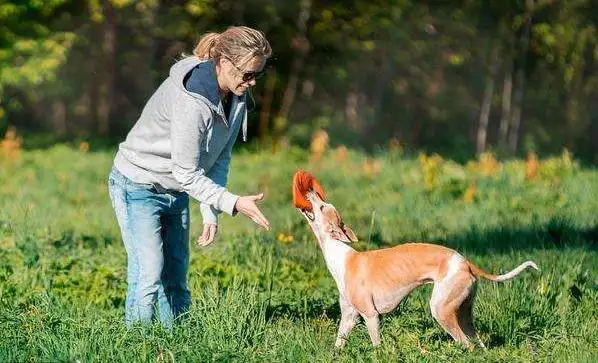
<point x="207" y="89"/>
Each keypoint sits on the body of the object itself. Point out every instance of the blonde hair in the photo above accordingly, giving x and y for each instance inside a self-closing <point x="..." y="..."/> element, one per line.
<point x="239" y="44"/>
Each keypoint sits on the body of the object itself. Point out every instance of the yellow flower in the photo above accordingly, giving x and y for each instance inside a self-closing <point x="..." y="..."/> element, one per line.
<point x="284" y="238"/>
<point x="84" y="146"/>
<point x="470" y="193"/>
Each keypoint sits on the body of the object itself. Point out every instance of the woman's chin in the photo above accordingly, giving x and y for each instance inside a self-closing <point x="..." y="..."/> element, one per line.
<point x="240" y="91"/>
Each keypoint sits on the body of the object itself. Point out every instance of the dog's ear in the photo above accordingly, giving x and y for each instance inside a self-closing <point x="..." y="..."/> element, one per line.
<point x="339" y="235"/>
<point x="343" y="234"/>
<point x="349" y="233"/>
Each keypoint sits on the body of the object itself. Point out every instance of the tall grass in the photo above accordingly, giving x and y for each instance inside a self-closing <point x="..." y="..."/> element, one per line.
<point x="267" y="296"/>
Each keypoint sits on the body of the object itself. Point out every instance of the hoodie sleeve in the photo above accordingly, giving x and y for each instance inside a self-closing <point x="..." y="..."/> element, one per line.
<point x="188" y="132"/>
<point x="219" y="174"/>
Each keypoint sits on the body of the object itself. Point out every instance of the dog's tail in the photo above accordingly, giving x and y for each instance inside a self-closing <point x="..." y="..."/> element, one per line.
<point x="504" y="277"/>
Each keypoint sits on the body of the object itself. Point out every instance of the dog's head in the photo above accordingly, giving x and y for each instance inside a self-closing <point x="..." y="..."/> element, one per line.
<point x="323" y="218"/>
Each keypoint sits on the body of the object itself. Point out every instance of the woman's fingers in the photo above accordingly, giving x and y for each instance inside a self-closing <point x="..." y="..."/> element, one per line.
<point x="261" y="219"/>
<point x="247" y="205"/>
<point x="257" y="197"/>
<point x="211" y="233"/>
<point x="208" y="235"/>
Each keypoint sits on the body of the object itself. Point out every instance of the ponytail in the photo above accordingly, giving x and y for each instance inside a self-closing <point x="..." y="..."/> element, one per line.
<point x="204" y="48"/>
<point x="238" y="44"/>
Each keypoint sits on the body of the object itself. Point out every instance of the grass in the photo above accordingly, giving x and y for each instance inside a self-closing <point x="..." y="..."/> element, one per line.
<point x="267" y="296"/>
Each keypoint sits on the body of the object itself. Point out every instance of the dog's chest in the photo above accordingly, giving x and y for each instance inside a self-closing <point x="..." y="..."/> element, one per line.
<point x="335" y="255"/>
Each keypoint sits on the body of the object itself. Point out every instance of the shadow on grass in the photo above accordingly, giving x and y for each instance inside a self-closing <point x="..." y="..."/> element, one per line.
<point x="557" y="233"/>
<point x="314" y="308"/>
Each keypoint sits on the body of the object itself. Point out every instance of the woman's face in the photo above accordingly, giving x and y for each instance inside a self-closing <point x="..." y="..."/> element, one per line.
<point x="238" y="79"/>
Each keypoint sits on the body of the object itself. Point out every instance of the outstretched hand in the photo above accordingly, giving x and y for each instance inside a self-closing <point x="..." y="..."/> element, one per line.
<point x="208" y="235"/>
<point x="247" y="206"/>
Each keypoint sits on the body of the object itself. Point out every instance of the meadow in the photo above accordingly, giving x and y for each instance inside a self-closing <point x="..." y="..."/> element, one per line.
<point x="267" y="296"/>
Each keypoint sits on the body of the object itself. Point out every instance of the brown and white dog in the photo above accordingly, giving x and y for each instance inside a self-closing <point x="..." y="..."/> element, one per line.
<point x="374" y="282"/>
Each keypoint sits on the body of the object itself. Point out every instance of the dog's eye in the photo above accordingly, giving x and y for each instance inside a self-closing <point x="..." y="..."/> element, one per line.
<point x="321" y="208"/>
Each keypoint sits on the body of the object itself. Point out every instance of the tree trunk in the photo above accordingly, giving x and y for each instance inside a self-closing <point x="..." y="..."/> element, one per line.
<point x="301" y="45"/>
<point x="352" y="109"/>
<point x="507" y="91"/>
<point x="59" y="117"/>
<point x="520" y="79"/>
<point x="266" y="107"/>
<point x="482" y="133"/>
<point x="106" y="84"/>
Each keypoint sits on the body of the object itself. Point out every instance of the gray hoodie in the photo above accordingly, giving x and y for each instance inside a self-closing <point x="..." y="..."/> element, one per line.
<point x="182" y="141"/>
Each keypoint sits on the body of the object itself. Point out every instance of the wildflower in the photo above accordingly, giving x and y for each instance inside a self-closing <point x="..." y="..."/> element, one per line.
<point x="371" y="166"/>
<point x="285" y="238"/>
<point x="319" y="144"/>
<point x="10" y="146"/>
<point x="531" y="166"/>
<point x="341" y="154"/>
<point x="84" y="146"/>
<point x="470" y="193"/>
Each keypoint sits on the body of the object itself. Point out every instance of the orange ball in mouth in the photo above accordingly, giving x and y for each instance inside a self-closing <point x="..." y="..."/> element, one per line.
<point x="304" y="182"/>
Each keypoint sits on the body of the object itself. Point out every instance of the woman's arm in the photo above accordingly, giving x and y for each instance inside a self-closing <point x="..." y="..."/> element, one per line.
<point x="219" y="174"/>
<point x="188" y="129"/>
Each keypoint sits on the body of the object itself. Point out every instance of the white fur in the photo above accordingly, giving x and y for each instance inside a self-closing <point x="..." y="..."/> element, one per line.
<point x="335" y="255"/>
<point x="509" y="275"/>
<point x="439" y="292"/>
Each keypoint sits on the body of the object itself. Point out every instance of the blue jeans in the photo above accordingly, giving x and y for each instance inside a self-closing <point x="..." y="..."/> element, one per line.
<point x="154" y="225"/>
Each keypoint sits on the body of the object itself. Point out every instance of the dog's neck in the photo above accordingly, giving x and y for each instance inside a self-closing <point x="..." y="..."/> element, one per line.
<point x="335" y="254"/>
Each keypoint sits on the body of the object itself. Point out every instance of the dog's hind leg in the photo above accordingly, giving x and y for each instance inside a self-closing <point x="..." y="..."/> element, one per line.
<point x="465" y="317"/>
<point x="373" y="324"/>
<point x="348" y="320"/>
<point x="447" y="298"/>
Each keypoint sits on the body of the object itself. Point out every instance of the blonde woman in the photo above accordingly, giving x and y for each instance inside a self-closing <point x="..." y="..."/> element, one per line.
<point x="179" y="147"/>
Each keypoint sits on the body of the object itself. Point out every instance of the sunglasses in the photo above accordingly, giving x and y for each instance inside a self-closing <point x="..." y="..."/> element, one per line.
<point x="249" y="76"/>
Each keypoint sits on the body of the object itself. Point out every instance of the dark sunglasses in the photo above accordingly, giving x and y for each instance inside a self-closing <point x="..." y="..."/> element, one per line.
<point x="249" y="76"/>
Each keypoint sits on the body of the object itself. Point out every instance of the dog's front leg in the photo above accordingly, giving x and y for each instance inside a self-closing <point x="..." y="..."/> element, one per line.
<point x="348" y="320"/>
<point x="373" y="325"/>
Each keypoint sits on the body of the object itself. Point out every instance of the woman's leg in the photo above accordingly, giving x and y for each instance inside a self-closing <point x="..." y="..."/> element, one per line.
<point x="175" y="235"/>
<point x="118" y="193"/>
<point x="138" y="210"/>
<point x="144" y="208"/>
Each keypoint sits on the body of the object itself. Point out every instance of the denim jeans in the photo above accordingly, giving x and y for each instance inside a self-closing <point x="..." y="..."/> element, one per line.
<point x="154" y="225"/>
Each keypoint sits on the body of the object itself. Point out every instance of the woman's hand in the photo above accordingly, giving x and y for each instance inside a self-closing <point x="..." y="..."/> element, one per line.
<point x="207" y="236"/>
<point x="247" y="206"/>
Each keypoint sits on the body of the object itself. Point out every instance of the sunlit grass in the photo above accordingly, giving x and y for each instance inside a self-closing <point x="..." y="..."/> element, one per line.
<point x="267" y="296"/>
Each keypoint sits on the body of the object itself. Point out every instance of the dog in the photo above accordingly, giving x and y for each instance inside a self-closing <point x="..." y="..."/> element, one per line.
<point x="374" y="282"/>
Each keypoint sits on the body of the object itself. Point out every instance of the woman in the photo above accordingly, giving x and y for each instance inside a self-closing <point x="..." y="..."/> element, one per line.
<point x="180" y="146"/>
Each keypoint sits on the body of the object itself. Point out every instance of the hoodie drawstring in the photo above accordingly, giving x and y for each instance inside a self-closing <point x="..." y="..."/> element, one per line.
<point x="208" y="138"/>
<point x="244" y="126"/>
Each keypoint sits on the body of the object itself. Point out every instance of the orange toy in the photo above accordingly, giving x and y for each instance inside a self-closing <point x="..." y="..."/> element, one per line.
<point x="304" y="182"/>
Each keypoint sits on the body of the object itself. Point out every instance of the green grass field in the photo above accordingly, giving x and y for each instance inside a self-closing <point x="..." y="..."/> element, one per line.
<point x="267" y="296"/>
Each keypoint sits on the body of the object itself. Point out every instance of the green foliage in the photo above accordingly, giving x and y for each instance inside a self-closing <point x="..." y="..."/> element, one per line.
<point x="259" y="297"/>
<point x="31" y="52"/>
<point x="377" y="70"/>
